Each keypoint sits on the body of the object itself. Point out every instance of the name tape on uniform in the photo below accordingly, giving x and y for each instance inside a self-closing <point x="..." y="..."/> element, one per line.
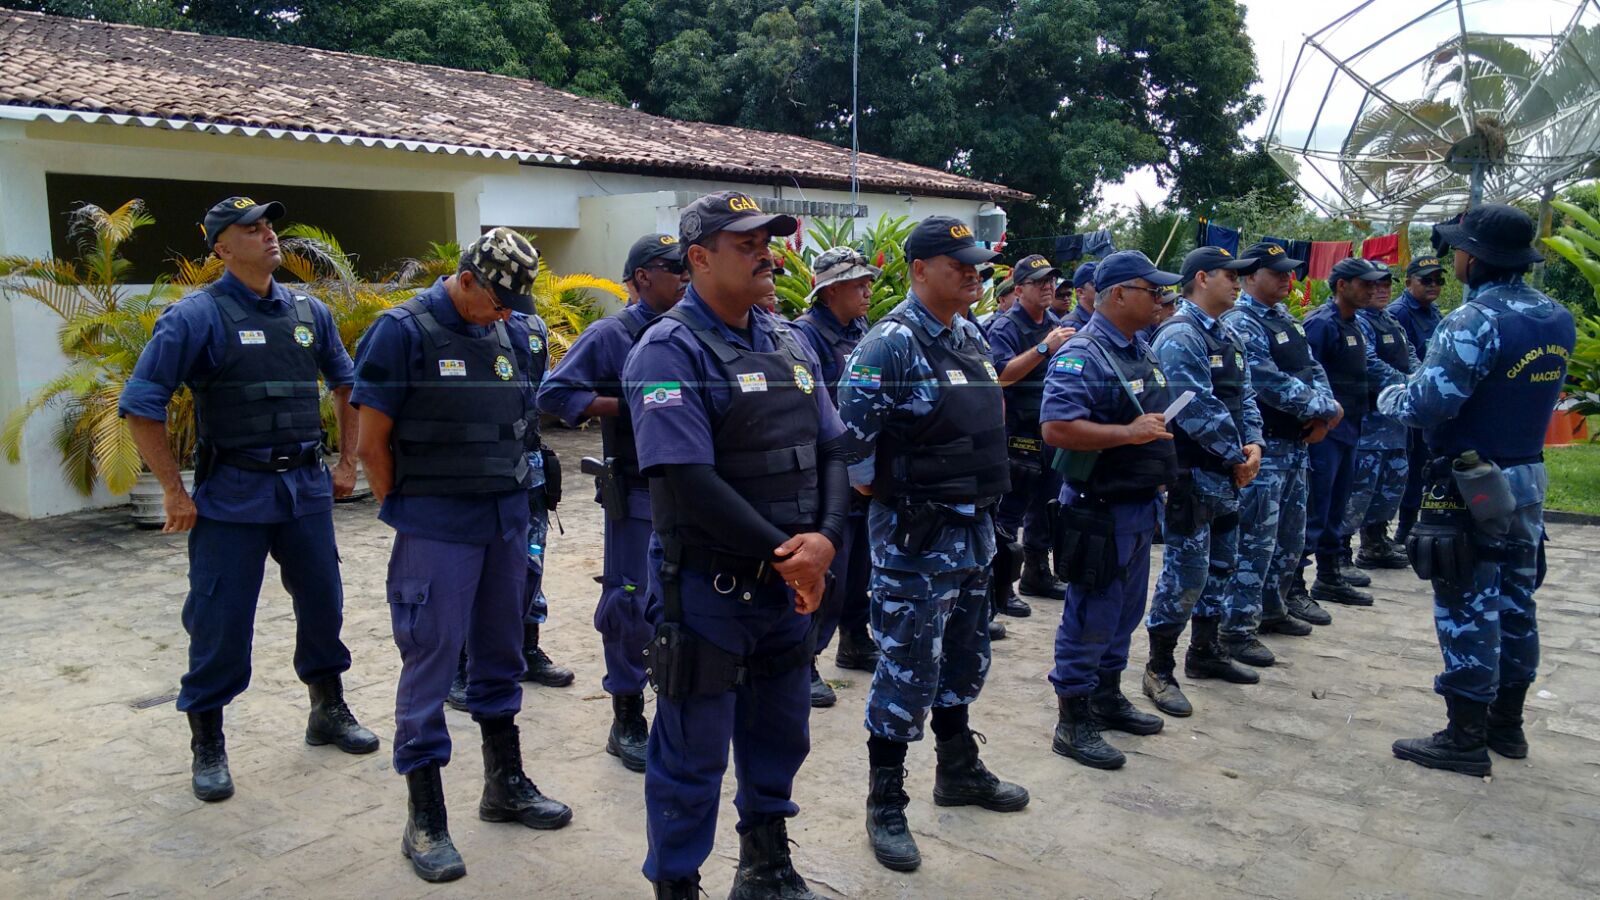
<point x="252" y="337"/>
<point x="453" y="368"/>
<point x="752" y="382"/>
<point x="956" y="376"/>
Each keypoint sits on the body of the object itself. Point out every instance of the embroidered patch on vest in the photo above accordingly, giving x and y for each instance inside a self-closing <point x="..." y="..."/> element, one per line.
<point x="803" y="379"/>
<point x="502" y="367"/>
<point x="303" y="336"/>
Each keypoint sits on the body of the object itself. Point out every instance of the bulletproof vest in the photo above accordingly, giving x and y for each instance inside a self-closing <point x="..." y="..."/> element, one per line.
<point x="1225" y="356"/>
<point x="956" y="453"/>
<point x="616" y="432"/>
<point x="765" y="442"/>
<point x="1506" y="416"/>
<point x="263" y="393"/>
<point x="1392" y="348"/>
<point x="465" y="422"/>
<point x="840" y="346"/>
<point x="1346" y="364"/>
<point x="1291" y="353"/>
<point x="1133" y="472"/>
<point x="1025" y="396"/>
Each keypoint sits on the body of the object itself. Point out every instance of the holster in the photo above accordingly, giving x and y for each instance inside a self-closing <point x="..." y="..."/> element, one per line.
<point x="552" y="476"/>
<point x="1186" y="514"/>
<point x="1442" y="545"/>
<point x="1008" y="557"/>
<point x="916" y="524"/>
<point x="612" y="498"/>
<point x="1085" y="539"/>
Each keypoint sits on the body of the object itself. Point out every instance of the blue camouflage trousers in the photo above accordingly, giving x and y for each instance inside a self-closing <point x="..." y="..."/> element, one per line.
<point x="1488" y="630"/>
<point x="932" y="631"/>
<point x="536" y="607"/>
<point x="1195" y="562"/>
<point x="1272" y="531"/>
<point x="1379" y="483"/>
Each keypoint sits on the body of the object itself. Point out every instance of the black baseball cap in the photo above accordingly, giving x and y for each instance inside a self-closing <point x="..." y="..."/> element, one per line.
<point x="730" y="211"/>
<point x="1124" y="266"/>
<point x="650" y="248"/>
<point x="236" y="211"/>
<point x="1355" y="268"/>
<point x="1270" y="256"/>
<point x="946" y="236"/>
<point x="1209" y="259"/>
<point x="1424" y="265"/>
<point x="1032" y="268"/>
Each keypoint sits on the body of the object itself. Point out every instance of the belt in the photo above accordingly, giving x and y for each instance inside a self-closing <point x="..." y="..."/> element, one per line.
<point x="276" y="463"/>
<point x="737" y="568"/>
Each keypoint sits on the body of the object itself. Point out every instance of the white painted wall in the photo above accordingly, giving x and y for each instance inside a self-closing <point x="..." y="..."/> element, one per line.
<point x="585" y="222"/>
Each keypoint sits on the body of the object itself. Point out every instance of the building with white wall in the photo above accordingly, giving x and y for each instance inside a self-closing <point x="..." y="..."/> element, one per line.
<point x="385" y="155"/>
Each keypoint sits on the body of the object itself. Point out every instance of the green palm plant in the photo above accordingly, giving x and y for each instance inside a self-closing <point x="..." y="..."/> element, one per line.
<point x="883" y="245"/>
<point x="1579" y="243"/>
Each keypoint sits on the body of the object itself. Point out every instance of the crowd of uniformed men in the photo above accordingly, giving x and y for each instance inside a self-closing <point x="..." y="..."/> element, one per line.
<point x="769" y="485"/>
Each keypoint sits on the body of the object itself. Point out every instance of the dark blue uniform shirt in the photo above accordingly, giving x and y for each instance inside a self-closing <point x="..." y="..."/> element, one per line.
<point x="593" y="362"/>
<point x="188" y="344"/>
<point x="1418" y="319"/>
<point x="832" y="370"/>
<point x="1323" y="335"/>
<point x="393" y="345"/>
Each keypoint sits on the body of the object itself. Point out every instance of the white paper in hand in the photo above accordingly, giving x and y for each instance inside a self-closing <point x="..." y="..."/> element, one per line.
<point x="1178" y="405"/>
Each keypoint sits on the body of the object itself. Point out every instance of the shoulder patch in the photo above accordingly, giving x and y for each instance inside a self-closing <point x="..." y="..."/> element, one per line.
<point x="663" y="393"/>
<point x="866" y="378"/>
<point x="1071" y="365"/>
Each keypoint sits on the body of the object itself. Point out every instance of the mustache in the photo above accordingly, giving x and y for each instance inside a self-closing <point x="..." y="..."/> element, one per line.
<point x="763" y="268"/>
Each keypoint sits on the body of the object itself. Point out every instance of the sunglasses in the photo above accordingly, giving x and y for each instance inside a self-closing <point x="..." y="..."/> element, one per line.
<point x="674" y="268"/>
<point x="1433" y="280"/>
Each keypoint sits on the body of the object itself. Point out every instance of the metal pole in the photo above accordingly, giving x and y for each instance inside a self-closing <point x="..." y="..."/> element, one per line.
<point x="1476" y="196"/>
<point x="855" y="115"/>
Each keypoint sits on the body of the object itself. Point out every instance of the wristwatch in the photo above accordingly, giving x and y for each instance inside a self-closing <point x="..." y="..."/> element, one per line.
<point x="1043" y="348"/>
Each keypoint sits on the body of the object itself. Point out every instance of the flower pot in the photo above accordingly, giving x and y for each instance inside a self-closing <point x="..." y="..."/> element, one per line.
<point x="149" y="506"/>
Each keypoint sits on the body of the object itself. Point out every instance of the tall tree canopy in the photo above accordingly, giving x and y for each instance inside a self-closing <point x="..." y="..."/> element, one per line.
<point x="1054" y="97"/>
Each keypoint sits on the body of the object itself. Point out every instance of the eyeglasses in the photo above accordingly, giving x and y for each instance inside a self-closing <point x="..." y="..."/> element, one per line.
<point x="487" y="288"/>
<point x="675" y="268"/>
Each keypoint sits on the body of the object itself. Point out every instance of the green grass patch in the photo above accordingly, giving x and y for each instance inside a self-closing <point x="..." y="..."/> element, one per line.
<point x="1574" y="478"/>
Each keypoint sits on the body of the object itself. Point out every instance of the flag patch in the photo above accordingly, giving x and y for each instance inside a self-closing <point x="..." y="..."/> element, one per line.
<point x="663" y="393"/>
<point x="868" y="378"/>
<point x="1071" y="365"/>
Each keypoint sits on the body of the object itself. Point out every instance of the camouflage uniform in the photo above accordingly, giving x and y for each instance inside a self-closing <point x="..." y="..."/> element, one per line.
<point x="1381" y="457"/>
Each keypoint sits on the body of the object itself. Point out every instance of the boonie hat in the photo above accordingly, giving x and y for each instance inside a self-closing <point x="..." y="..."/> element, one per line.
<point x="1499" y="235"/>
<point x="840" y="264"/>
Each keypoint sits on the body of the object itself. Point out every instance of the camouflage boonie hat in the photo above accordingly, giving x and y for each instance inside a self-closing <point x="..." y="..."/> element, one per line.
<point x="840" y="264"/>
<point x="507" y="263"/>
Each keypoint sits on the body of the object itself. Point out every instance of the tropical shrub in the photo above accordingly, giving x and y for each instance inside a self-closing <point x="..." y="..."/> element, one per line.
<point x="883" y="245"/>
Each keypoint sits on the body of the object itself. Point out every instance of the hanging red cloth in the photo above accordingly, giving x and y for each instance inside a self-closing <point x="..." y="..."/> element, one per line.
<point x="1384" y="249"/>
<point x="1323" y="255"/>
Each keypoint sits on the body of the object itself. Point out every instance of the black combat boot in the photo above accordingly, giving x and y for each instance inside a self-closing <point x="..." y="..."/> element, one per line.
<point x="997" y="630"/>
<point x="540" y="668"/>
<point x="1347" y="567"/>
<point x="1006" y="602"/>
<point x="211" y="782"/>
<point x="508" y="795"/>
<point x="1333" y="588"/>
<point x="1504" y="735"/>
<point x="1159" y="684"/>
<point x="856" y="650"/>
<point x="1285" y="624"/>
<point x="1113" y="712"/>
<point x="1250" y="651"/>
<point x="427" y="839"/>
<point x="822" y="695"/>
<point x="1408" y="519"/>
<point x="1078" y="736"/>
<point x="332" y="722"/>
<point x="457" y="697"/>
<point x="1300" y="605"/>
<point x="1207" y="658"/>
<point x="1038" y="579"/>
<point x="961" y="779"/>
<point x="681" y="889"/>
<point x="887" y="828"/>
<point x="1460" y="747"/>
<point x="1377" y="552"/>
<point x="629" y="732"/>
<point x="765" y="871"/>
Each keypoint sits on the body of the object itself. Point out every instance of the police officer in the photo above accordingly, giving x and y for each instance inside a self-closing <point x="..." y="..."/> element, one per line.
<point x="921" y="403"/>
<point x="587" y="383"/>
<point x="1005" y="296"/>
<point x="1381" y="456"/>
<point x="1061" y="300"/>
<point x="1488" y="386"/>
<point x="251" y="351"/>
<point x="1218" y="441"/>
<point x="749" y="499"/>
<point x="1339" y="347"/>
<point x="1103" y="402"/>
<point x="1021" y="343"/>
<point x="1083" y="285"/>
<point x="834" y="325"/>
<point x="1416" y="313"/>
<point x="1296" y="404"/>
<point x="445" y="385"/>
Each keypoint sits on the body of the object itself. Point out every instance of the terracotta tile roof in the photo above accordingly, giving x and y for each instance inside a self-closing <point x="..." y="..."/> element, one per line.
<point x="91" y="67"/>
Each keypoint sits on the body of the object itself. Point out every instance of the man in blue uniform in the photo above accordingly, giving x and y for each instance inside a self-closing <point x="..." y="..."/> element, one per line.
<point x="834" y="325"/>
<point x="1021" y="343"/>
<point x="1381" y="456"/>
<point x="1083" y="285"/>
<point x="1061" y="302"/>
<point x="749" y="499"/>
<point x="1005" y="296"/>
<point x="921" y="405"/>
<point x="587" y="383"/>
<point x="1339" y="347"/>
<point x="1486" y="392"/>
<point x="1103" y="404"/>
<point x="1296" y="405"/>
<point x="445" y="384"/>
<point x="251" y="351"/>
<point x="1218" y="441"/>
<point x="1416" y="313"/>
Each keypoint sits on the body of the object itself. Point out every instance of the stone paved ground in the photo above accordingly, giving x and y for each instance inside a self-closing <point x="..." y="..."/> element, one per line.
<point x="1284" y="789"/>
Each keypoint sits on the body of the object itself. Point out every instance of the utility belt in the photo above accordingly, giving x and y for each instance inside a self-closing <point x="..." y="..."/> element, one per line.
<point x="1027" y="461"/>
<point x="1084" y="541"/>
<point x="209" y="456"/>
<point x="1446" y="544"/>
<point x="1187" y="512"/>
<point x="609" y="480"/>
<point x="917" y="522"/>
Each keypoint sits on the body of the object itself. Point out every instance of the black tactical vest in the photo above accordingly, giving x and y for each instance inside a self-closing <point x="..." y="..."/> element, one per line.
<point x="1225" y="356"/>
<point x="263" y="393"/>
<point x="1346" y="364"/>
<point x="1025" y="396"/>
<point x="1392" y="348"/>
<point x="616" y="432"/>
<point x="465" y="423"/>
<point x="957" y="452"/>
<point x="840" y="346"/>
<point x="1131" y="473"/>
<point x="765" y="441"/>
<point x="1291" y="353"/>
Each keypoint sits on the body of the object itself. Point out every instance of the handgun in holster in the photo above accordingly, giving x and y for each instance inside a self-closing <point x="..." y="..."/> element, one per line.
<point x="1442" y="545"/>
<point x="612" y="499"/>
<point x="1085" y="543"/>
<point x="915" y="525"/>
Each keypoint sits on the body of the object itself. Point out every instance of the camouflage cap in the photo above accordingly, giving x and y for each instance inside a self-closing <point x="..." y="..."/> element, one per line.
<point x="506" y="262"/>
<point x="840" y="264"/>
